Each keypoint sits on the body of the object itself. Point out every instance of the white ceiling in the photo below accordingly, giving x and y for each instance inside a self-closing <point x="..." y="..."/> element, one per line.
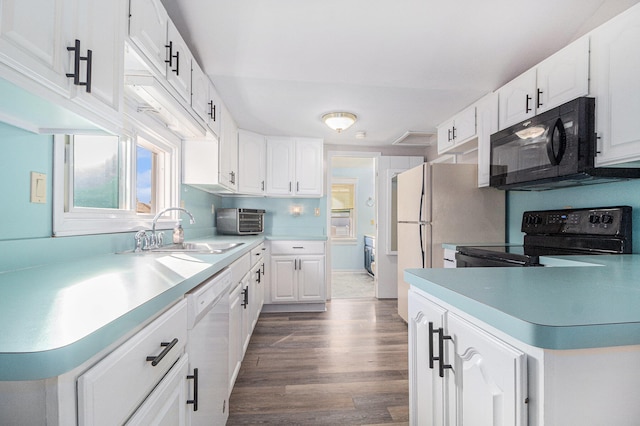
<point x="400" y="65"/>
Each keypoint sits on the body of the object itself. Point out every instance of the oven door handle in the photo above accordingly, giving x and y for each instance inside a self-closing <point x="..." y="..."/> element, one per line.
<point x="556" y="143"/>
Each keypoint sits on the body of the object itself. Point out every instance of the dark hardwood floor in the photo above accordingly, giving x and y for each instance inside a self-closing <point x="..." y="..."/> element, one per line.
<point x="346" y="366"/>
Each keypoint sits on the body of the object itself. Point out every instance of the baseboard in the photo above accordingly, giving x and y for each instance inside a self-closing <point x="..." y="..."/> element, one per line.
<point x="294" y="307"/>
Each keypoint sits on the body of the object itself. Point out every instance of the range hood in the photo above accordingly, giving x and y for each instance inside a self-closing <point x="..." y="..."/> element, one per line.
<point x="153" y="98"/>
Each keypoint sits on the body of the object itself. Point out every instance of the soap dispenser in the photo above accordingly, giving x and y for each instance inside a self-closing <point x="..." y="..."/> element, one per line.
<point x="178" y="235"/>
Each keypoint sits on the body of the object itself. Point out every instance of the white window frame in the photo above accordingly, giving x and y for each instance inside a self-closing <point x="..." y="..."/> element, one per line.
<point x="353" y="237"/>
<point x="102" y="221"/>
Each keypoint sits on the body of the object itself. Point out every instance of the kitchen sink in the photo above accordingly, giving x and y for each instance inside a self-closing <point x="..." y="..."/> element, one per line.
<point x="212" y="248"/>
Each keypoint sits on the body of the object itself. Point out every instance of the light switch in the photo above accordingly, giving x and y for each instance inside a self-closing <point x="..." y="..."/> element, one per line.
<point x="38" y="187"/>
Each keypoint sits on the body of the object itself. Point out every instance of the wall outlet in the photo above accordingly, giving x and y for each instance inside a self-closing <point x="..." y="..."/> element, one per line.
<point x="182" y="204"/>
<point x="317" y="211"/>
<point x="213" y="208"/>
<point x="373" y="222"/>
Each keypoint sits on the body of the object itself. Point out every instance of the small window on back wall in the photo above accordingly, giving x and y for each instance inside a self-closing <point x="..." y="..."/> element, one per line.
<point x="343" y="209"/>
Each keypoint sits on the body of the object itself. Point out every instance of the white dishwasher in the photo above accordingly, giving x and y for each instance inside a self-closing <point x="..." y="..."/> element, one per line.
<point x="208" y="349"/>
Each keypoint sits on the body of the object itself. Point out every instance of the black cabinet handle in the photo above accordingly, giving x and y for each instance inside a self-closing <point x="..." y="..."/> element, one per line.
<point x="262" y="268"/>
<point x="177" y="70"/>
<point x="212" y="110"/>
<point x="155" y="360"/>
<point x="432" y="358"/>
<point x="539" y="96"/>
<point x="170" y="60"/>
<point x="245" y="299"/>
<point x="448" y="135"/>
<point x="258" y="273"/>
<point x="76" y="62"/>
<point x="76" y="66"/>
<point x="89" y="59"/>
<point x="194" y="401"/>
<point x="441" y="338"/>
<point x="454" y="132"/>
<point x="527" y="108"/>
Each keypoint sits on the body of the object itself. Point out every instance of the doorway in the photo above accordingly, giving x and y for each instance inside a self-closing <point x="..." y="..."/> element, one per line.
<point x="352" y="224"/>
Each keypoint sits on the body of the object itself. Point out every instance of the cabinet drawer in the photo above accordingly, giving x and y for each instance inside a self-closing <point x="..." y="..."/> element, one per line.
<point x="111" y="390"/>
<point x="240" y="267"/>
<point x="297" y="247"/>
<point x="257" y="254"/>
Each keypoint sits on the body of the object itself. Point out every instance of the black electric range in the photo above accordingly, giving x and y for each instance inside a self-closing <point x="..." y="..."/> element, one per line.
<point x="601" y="230"/>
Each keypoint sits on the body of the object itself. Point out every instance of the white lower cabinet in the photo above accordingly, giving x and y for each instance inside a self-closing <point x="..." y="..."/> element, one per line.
<point x="460" y="374"/>
<point x="112" y="390"/>
<point x="167" y="404"/>
<point x="297" y="271"/>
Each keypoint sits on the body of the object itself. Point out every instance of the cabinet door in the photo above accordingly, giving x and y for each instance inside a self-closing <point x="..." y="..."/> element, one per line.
<point x="309" y="167"/>
<point x="489" y="377"/>
<point x="257" y="298"/>
<point x="199" y="92"/>
<point x="280" y="166"/>
<point x="179" y="66"/>
<point x="248" y="288"/>
<point x="252" y="163"/>
<point x="464" y="126"/>
<point x="487" y="111"/>
<point x="426" y="387"/>
<point x="167" y="404"/>
<point x="214" y="110"/>
<point x="445" y="136"/>
<point x="563" y="76"/>
<point x="101" y="28"/>
<point x="311" y="282"/>
<point x="229" y="152"/>
<point x="615" y="66"/>
<point x="200" y="162"/>
<point x="284" y="279"/>
<point x="148" y="23"/>
<point x="517" y="99"/>
<point x="235" y="333"/>
<point x="35" y="44"/>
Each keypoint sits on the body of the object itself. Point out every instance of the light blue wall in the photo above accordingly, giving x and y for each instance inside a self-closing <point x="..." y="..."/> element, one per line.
<point x="278" y="219"/>
<point x="602" y="195"/>
<point x="350" y="256"/>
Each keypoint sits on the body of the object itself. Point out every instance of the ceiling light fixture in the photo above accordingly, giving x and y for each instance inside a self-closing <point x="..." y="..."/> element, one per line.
<point x="339" y="121"/>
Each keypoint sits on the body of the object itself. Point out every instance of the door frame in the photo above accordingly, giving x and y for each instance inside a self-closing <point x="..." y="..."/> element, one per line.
<point x="328" y="181"/>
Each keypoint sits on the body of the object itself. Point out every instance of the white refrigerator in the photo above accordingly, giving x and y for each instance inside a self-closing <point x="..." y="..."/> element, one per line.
<point x="441" y="203"/>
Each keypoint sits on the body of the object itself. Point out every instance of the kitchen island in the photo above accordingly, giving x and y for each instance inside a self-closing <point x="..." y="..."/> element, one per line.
<point x="550" y="345"/>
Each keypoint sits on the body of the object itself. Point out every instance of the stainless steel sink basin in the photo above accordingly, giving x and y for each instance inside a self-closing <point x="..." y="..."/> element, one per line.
<point x="211" y="248"/>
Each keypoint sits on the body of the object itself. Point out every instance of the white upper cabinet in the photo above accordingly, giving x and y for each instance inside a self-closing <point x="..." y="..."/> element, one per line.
<point x="204" y="98"/>
<point x="294" y="166"/>
<point x="228" y="152"/>
<point x="101" y="30"/>
<point x="179" y="63"/>
<point x="73" y="48"/>
<point x="615" y="63"/>
<point x="309" y="167"/>
<point x="487" y="112"/>
<point x="252" y="163"/>
<point x="558" y="79"/>
<point x="457" y="130"/>
<point x="280" y="165"/>
<point x="148" y="25"/>
<point x="36" y="44"/>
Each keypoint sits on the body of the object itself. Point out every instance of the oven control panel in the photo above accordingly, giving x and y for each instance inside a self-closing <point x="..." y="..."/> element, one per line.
<point x="590" y="221"/>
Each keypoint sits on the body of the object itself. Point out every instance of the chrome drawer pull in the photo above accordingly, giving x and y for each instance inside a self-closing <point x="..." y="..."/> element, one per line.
<point x="155" y="360"/>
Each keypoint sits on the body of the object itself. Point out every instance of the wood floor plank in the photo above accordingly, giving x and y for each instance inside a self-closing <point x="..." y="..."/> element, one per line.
<point x="345" y="366"/>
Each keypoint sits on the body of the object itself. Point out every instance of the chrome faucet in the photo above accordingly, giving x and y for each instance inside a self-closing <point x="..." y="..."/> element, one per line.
<point x="156" y="240"/>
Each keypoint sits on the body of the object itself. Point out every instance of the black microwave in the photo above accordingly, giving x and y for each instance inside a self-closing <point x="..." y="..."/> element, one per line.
<point x="554" y="149"/>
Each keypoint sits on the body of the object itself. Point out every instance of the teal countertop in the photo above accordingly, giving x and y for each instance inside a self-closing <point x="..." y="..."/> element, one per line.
<point x="577" y="302"/>
<point x="55" y="317"/>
